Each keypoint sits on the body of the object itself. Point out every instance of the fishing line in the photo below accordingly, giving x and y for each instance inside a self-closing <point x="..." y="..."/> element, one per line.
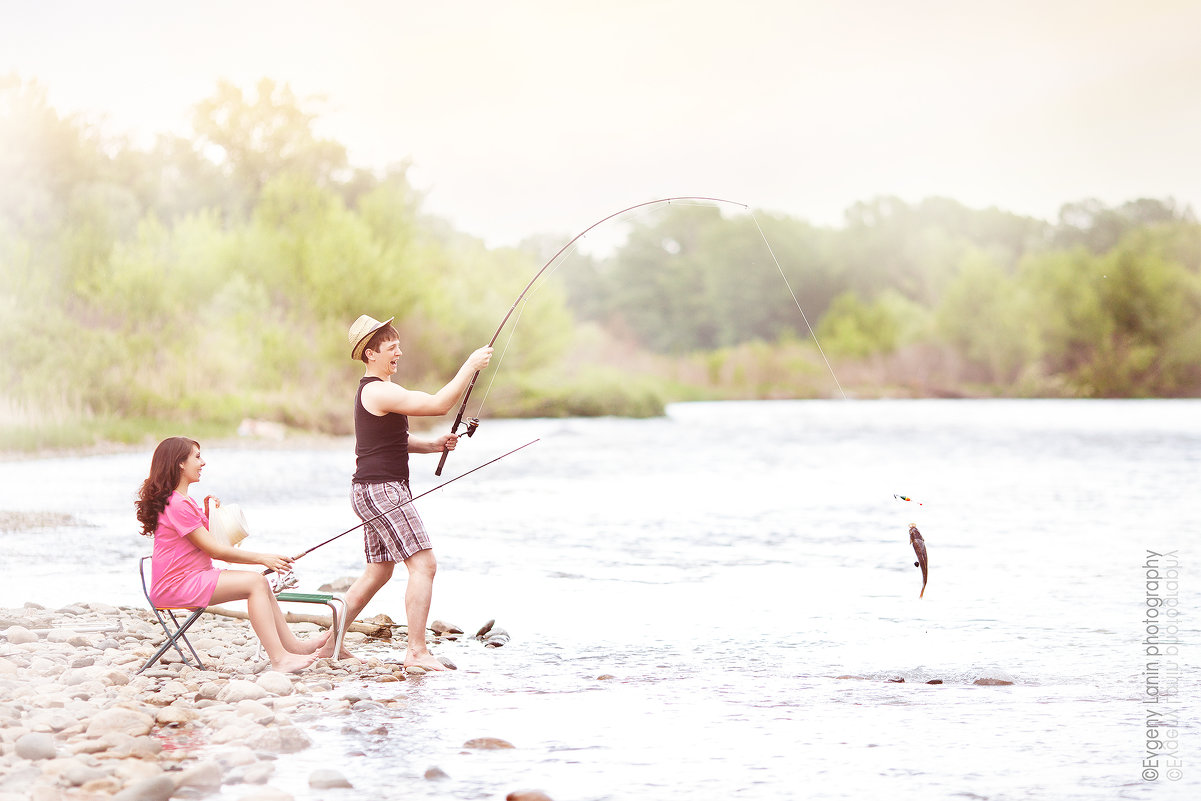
<point x="479" y="410"/>
<point x="569" y="249"/>
<point x="575" y="247"/>
<point x="812" y="333"/>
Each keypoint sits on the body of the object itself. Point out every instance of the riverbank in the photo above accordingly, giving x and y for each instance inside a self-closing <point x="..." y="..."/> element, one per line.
<point x="78" y="722"/>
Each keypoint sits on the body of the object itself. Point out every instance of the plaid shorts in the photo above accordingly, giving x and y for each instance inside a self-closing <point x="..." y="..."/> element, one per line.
<point x="398" y="532"/>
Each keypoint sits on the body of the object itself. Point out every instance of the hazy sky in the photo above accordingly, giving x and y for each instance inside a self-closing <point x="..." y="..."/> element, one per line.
<point x="541" y="116"/>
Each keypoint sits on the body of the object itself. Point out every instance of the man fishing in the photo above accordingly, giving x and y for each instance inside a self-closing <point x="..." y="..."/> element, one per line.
<point x="392" y="531"/>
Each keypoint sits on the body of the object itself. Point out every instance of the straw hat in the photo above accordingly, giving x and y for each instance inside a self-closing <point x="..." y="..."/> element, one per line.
<point x="228" y="524"/>
<point x="361" y="331"/>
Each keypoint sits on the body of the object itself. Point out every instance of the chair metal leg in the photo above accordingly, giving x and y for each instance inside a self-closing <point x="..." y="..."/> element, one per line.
<point x="174" y="637"/>
<point x="182" y="628"/>
<point x="339" y="623"/>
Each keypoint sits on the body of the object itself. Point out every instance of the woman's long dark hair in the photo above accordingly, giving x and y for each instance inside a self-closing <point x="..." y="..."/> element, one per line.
<point x="164" y="477"/>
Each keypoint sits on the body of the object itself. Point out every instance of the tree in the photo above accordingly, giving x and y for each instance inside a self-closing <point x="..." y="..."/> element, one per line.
<point x="985" y="314"/>
<point x="266" y="135"/>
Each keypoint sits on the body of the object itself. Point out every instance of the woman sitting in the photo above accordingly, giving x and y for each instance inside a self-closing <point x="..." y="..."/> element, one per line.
<point x="183" y="574"/>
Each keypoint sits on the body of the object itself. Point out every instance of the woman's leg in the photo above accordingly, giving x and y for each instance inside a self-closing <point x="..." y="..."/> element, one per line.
<point x="238" y="585"/>
<point x="290" y="640"/>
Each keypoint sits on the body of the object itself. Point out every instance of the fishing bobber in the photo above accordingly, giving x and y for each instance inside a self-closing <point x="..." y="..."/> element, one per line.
<point x="226" y="522"/>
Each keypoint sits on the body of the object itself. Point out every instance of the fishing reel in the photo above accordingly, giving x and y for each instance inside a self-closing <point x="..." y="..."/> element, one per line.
<point x="281" y="581"/>
<point x="470" y="424"/>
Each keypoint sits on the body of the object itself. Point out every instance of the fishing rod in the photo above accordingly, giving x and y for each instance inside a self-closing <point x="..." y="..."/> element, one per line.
<point x="473" y="423"/>
<point x="405" y="503"/>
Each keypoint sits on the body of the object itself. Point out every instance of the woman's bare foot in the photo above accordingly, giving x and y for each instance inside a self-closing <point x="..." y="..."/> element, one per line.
<point x="312" y="644"/>
<point x="424" y="660"/>
<point x="293" y="663"/>
<point x="326" y="651"/>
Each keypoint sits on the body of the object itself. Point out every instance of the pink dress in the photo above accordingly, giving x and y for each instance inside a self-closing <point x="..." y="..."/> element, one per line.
<point x="182" y="574"/>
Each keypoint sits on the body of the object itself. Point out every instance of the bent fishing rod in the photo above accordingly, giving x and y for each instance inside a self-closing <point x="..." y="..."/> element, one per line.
<point x="473" y="423"/>
<point x="405" y="503"/>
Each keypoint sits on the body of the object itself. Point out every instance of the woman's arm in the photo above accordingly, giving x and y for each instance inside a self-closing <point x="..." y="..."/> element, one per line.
<point x="206" y="542"/>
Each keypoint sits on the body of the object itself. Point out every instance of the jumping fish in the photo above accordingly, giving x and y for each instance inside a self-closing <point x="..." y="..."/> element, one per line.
<point x="919" y="548"/>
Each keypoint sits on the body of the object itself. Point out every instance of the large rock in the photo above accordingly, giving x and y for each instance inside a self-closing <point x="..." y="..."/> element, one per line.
<point x="37" y="745"/>
<point x="206" y="775"/>
<point x="241" y="690"/>
<point x="78" y="774"/>
<point x="257" y="712"/>
<point x="175" y="715"/>
<point x="120" y="719"/>
<point x="275" y="683"/>
<point x="17" y="635"/>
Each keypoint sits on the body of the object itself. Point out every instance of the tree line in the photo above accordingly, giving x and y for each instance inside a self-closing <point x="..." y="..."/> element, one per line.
<point x="1104" y="302"/>
<point x="212" y="277"/>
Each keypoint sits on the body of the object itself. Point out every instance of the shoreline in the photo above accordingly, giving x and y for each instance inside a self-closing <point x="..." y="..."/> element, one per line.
<point x="76" y="721"/>
<point x="301" y="440"/>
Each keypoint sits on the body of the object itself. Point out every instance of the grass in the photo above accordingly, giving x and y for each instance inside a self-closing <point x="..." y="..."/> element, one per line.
<point x="60" y="425"/>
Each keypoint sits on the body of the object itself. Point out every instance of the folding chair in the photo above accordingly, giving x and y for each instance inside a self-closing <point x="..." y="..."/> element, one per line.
<point x="175" y="630"/>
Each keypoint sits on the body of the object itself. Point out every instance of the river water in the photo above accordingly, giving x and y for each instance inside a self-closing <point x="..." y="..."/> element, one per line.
<point x="730" y="566"/>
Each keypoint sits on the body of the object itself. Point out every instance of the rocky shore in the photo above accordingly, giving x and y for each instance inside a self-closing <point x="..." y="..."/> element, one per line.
<point x="77" y="721"/>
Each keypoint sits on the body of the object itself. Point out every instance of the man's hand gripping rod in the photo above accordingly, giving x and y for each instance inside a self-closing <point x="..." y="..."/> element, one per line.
<point x="472" y="424"/>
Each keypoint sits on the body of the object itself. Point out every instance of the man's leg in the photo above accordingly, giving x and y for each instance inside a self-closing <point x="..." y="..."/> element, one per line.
<point x="418" y="595"/>
<point x="365" y="587"/>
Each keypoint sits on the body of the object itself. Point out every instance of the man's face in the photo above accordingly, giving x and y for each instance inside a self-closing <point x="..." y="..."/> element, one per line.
<point x="389" y="354"/>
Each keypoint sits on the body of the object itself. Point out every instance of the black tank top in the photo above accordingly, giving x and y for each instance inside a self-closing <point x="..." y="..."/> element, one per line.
<point x="381" y="443"/>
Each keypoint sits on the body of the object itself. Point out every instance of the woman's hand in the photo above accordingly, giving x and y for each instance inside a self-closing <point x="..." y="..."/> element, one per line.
<point x="277" y="562"/>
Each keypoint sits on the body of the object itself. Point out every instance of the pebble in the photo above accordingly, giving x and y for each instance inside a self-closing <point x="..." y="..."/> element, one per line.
<point x="488" y="743"/>
<point x="528" y="795"/>
<point x="326" y="779"/>
<point x="156" y="788"/>
<point x="496" y="637"/>
<point x="77" y="720"/>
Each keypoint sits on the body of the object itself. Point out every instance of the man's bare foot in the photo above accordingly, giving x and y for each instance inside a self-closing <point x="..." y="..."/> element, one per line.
<point x="425" y="660"/>
<point x="293" y="663"/>
<point x="312" y="644"/>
